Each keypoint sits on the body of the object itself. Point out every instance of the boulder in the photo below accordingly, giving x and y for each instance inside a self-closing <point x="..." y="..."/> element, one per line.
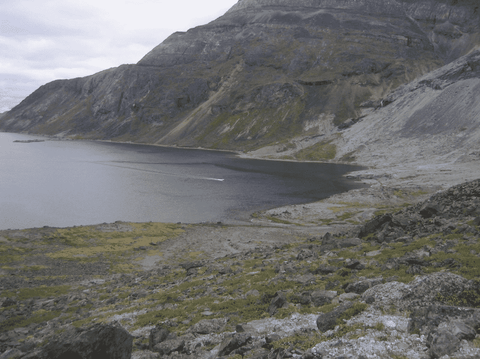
<point x="354" y="264"/>
<point x="169" y="346"/>
<point x="428" y="288"/>
<point x="362" y="285"/>
<point x="427" y="319"/>
<point x="157" y="335"/>
<point x="442" y="342"/>
<point x="387" y="293"/>
<point x="106" y="341"/>
<point x="234" y="342"/>
<point x="327" y="321"/>
<point x="322" y="297"/>
<point x="279" y="301"/>
<point x="325" y="269"/>
<point x="462" y="330"/>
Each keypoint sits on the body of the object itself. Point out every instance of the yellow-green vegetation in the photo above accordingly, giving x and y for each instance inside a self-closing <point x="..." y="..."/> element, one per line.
<point x="321" y="151"/>
<point x="10" y="253"/>
<point x="88" y="243"/>
<point x="20" y="321"/>
<point x="254" y="128"/>
<point x="38" y="292"/>
<point x="279" y="220"/>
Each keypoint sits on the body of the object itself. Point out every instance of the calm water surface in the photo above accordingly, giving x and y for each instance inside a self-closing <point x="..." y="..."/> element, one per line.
<point x="66" y="183"/>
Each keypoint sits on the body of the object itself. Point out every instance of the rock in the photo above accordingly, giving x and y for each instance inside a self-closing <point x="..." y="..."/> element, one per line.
<point x="271" y="338"/>
<point x="12" y="354"/>
<point x="327" y="321"/>
<point x="8" y="302"/>
<point x="426" y="319"/>
<point x="414" y="269"/>
<point x="108" y="341"/>
<point x="346" y="297"/>
<point x="349" y="242"/>
<point x="304" y="254"/>
<point x="208" y="326"/>
<point x="145" y="354"/>
<point x="442" y="342"/>
<point x="324" y="269"/>
<point x="428" y="288"/>
<point x="157" y="335"/>
<point x="322" y="297"/>
<point x="461" y="330"/>
<point x="190" y="265"/>
<point x="361" y="286"/>
<point x="169" y="346"/>
<point x="388" y="293"/>
<point x="279" y="301"/>
<point x="354" y="264"/>
<point x="242" y="328"/>
<point x="252" y="292"/>
<point x="234" y="342"/>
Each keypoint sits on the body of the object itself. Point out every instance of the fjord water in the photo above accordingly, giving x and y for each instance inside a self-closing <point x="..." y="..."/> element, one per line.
<point x="66" y="183"/>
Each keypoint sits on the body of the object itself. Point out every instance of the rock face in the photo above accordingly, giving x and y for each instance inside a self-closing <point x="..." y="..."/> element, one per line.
<point x="265" y="71"/>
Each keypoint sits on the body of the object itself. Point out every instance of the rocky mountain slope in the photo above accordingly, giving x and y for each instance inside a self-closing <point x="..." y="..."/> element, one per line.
<point x="266" y="72"/>
<point x="401" y="285"/>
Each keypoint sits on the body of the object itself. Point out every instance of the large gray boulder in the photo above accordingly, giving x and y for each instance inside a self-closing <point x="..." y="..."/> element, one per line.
<point x="105" y="341"/>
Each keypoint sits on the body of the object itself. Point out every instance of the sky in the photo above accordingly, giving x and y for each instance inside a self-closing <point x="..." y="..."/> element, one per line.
<point x="45" y="40"/>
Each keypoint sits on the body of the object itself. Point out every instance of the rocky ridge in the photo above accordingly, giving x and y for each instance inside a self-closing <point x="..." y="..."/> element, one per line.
<point x="263" y="74"/>
<point x="403" y="284"/>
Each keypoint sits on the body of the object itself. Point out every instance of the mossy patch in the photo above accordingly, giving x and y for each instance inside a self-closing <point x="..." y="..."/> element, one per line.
<point x="88" y="243"/>
<point x="38" y="292"/>
<point x="20" y="321"/>
<point x="321" y="151"/>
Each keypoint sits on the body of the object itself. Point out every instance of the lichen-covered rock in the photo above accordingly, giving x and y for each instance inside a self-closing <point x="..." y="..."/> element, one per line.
<point x="386" y="294"/>
<point x="429" y="288"/>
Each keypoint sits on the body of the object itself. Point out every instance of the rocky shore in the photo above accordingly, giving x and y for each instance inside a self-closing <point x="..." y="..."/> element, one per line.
<point x="393" y="277"/>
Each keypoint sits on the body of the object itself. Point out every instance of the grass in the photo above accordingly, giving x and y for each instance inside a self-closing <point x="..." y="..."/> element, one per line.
<point x="38" y="317"/>
<point x="38" y="292"/>
<point x="321" y="151"/>
<point x="88" y="244"/>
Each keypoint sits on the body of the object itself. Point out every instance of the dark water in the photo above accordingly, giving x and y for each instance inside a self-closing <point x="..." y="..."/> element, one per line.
<point x="66" y="183"/>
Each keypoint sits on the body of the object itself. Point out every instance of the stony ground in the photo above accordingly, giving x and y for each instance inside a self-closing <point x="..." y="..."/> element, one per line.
<point x="375" y="273"/>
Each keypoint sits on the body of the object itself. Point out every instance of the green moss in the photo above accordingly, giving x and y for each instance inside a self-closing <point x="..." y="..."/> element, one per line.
<point x="40" y="316"/>
<point x="321" y="151"/>
<point x="38" y="292"/>
<point x="298" y="341"/>
<point x="282" y="221"/>
<point x="351" y="312"/>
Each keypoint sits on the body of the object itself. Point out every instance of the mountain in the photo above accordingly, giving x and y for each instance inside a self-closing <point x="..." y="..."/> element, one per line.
<point x="289" y="74"/>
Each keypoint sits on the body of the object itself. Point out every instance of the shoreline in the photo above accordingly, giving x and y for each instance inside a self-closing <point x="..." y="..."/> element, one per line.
<point x="394" y="185"/>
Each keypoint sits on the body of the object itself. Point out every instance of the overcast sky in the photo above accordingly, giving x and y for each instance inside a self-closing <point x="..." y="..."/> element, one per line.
<point x="45" y="40"/>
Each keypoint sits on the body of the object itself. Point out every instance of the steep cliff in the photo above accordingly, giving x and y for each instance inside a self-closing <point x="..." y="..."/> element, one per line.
<point x="265" y="72"/>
